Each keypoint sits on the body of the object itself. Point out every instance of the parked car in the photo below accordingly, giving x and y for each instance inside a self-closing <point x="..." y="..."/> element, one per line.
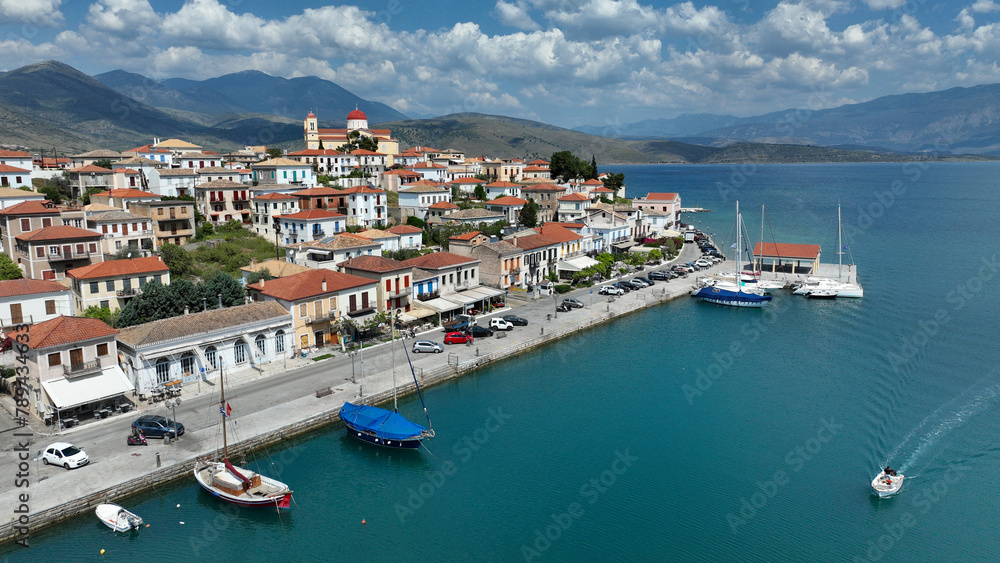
<point x="574" y="303"/>
<point x="480" y="331"/>
<point x="423" y="346"/>
<point x="65" y="455"/>
<point x="610" y="290"/>
<point x="457" y="338"/>
<point x="501" y="324"/>
<point x="645" y="280"/>
<point x="687" y="269"/>
<point x="660" y="275"/>
<point x="626" y="287"/>
<point x="636" y="284"/>
<point x="158" y="426"/>
<point x="702" y="263"/>
<point x="515" y="320"/>
<point x="563" y="308"/>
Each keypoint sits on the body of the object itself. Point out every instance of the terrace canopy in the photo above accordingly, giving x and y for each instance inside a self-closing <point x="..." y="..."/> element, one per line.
<point x="781" y="253"/>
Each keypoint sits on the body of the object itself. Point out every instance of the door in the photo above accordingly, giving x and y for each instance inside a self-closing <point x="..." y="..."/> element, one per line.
<point x="76" y="357"/>
<point x="15" y="313"/>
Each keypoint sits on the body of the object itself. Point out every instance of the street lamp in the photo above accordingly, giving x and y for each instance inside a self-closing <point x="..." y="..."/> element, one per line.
<point x="172" y="404"/>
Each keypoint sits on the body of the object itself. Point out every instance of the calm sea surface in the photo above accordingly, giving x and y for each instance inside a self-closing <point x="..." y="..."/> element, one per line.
<point x="689" y="432"/>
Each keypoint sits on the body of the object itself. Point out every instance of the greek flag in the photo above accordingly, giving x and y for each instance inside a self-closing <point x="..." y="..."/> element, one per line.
<point x="226" y="410"/>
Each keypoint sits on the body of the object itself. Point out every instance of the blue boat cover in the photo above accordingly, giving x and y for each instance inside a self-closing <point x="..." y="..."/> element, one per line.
<point x="384" y="424"/>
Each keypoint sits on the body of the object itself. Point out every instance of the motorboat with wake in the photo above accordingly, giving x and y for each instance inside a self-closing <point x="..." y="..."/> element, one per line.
<point x="887" y="483"/>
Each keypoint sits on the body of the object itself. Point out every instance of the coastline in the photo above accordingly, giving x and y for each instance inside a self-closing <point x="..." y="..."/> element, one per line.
<point x="65" y="497"/>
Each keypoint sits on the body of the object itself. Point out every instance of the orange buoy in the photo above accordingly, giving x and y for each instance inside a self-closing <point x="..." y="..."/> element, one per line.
<point x="363" y="521"/>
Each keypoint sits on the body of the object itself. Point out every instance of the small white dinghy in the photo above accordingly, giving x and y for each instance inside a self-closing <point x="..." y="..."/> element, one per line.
<point x="887" y="483"/>
<point x="117" y="518"/>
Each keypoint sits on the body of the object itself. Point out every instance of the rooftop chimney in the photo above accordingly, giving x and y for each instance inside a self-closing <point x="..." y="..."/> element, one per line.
<point x="262" y="282"/>
<point x="324" y="284"/>
<point x="186" y="310"/>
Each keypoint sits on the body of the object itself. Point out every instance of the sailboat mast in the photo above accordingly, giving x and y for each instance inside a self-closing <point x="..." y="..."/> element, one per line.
<point x="392" y="352"/>
<point x="739" y="247"/>
<point x="222" y="408"/>
<point x="840" y="245"/>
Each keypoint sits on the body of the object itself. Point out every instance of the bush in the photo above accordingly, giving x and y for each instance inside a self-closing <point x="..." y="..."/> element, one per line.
<point x="563" y="288"/>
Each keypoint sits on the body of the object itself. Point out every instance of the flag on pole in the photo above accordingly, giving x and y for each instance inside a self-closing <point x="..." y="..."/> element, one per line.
<point x="226" y="410"/>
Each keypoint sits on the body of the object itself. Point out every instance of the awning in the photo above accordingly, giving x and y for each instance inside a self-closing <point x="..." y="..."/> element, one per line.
<point x="68" y="393"/>
<point x="625" y="244"/>
<point x="416" y="314"/>
<point x="671" y="233"/>
<point x="464" y="298"/>
<point x="440" y="305"/>
<point x="484" y="292"/>
<point x="577" y="264"/>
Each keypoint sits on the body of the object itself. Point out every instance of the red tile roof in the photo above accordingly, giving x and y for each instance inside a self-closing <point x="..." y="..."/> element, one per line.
<point x="125" y="192"/>
<point x="787" y="250"/>
<point x="273" y="195"/>
<point x="5" y="168"/>
<point x="309" y="284"/>
<point x="312" y="215"/>
<point x="58" y="232"/>
<point x="558" y="233"/>
<point x="363" y="190"/>
<point x="438" y="260"/>
<point x="543" y="187"/>
<point x="90" y="168"/>
<point x="601" y="189"/>
<point x="317" y="192"/>
<point x="466" y="236"/>
<point x="377" y="264"/>
<point x="443" y="205"/>
<point x="33" y="207"/>
<point x="593" y="182"/>
<point x="404" y="230"/>
<point x="473" y="181"/>
<point x="363" y="152"/>
<point x="26" y="286"/>
<point x="531" y="242"/>
<point x="66" y="330"/>
<point x="502" y="185"/>
<point x="574" y="197"/>
<point x="661" y="196"/>
<point x="125" y="171"/>
<point x="12" y="154"/>
<point x="403" y="172"/>
<point x="115" y="268"/>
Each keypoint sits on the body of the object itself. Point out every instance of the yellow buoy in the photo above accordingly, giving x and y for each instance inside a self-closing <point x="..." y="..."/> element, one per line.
<point x="102" y="552"/>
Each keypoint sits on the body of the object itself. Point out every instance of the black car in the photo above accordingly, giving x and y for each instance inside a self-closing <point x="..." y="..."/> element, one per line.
<point x="563" y="308"/>
<point x="623" y="285"/>
<point x="659" y="276"/>
<point x="480" y="331"/>
<point x="158" y="426"/>
<point x="645" y="280"/>
<point x="515" y="320"/>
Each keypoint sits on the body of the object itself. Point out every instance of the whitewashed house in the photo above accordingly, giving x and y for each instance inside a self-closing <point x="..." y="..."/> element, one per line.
<point x="28" y="301"/>
<point x="309" y="225"/>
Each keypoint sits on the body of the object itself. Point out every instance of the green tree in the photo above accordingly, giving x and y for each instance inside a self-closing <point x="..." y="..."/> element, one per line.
<point x="125" y="253"/>
<point x="321" y="145"/>
<point x="563" y="167"/>
<point x="8" y="269"/>
<point x="231" y="290"/>
<point x="177" y="259"/>
<point x="415" y="221"/>
<point x="614" y="181"/>
<point x="262" y="274"/>
<point x="480" y="192"/>
<point x="655" y="254"/>
<point x="275" y="153"/>
<point x="355" y="141"/>
<point x="529" y="214"/>
<point x="593" y="166"/>
<point x="105" y="314"/>
<point x="154" y="303"/>
<point x="103" y="163"/>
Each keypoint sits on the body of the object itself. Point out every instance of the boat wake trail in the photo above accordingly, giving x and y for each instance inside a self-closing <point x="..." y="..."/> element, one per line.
<point x="949" y="416"/>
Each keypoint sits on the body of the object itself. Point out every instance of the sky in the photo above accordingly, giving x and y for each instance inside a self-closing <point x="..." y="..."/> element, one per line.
<point x="564" y="62"/>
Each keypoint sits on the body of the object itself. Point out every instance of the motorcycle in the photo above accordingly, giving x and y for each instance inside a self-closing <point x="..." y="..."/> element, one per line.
<point x="137" y="440"/>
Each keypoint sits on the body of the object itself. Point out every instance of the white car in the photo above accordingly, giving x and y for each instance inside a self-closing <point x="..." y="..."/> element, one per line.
<point x="703" y="263"/>
<point x="64" y="454"/>
<point x="501" y="324"/>
<point x="611" y="290"/>
<point x="427" y="346"/>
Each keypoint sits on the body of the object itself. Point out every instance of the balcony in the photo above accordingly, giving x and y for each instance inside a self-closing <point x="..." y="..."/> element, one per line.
<point x="80" y="370"/>
<point x="130" y="292"/>
<point x="73" y="255"/>
<point x="428" y="296"/>
<point x="515" y="271"/>
<point x="398" y="292"/>
<point x="361" y="311"/>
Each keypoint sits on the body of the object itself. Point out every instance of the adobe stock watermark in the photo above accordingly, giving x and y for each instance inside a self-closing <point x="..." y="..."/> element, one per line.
<point x="464" y="449"/>
<point x="922" y="501"/>
<point x="795" y="460"/>
<point x="590" y="492"/>
<point x="913" y="346"/>
<point x="722" y="361"/>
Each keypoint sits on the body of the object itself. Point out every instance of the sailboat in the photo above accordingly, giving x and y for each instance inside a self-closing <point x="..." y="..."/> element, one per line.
<point x="382" y="427"/>
<point x="237" y="485"/>
<point x="839" y="286"/>
<point x="735" y="293"/>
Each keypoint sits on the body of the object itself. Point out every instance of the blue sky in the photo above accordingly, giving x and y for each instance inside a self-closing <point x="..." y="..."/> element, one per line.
<point x="565" y="62"/>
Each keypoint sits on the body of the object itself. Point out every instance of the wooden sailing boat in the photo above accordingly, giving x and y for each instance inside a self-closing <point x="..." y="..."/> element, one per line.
<point x="234" y="484"/>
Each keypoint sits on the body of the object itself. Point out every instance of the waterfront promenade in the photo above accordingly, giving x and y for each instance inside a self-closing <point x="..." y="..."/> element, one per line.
<point x="274" y="403"/>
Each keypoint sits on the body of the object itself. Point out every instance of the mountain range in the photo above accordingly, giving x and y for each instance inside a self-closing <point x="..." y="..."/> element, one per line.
<point x="52" y="106"/>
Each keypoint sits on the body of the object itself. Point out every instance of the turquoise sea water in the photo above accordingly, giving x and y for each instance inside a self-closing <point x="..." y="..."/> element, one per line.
<point x="688" y="432"/>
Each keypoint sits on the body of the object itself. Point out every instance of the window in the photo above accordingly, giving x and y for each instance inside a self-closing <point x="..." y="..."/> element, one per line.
<point x="46" y="221"/>
<point x="25" y="225"/>
<point x="279" y="341"/>
<point x="102" y="349"/>
<point x="211" y="357"/>
<point x="50" y="307"/>
<point x="55" y="359"/>
<point x="94" y="287"/>
<point x="240" y="351"/>
<point x="162" y="371"/>
<point x="126" y="284"/>
<point x="187" y="364"/>
<point x="106" y="304"/>
<point x="261" y="344"/>
<point x="142" y="281"/>
<point x="333" y="305"/>
<point x="303" y="310"/>
<point x="110" y="284"/>
<point x="93" y="247"/>
<point x="318" y="309"/>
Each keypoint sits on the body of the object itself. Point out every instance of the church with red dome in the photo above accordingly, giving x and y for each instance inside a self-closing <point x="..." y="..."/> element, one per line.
<point x="356" y="121"/>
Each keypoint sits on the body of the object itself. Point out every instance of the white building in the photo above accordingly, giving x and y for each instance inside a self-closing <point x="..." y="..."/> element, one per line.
<point x="309" y="225"/>
<point x="410" y="237"/>
<point x="366" y="206"/>
<point x="283" y="171"/>
<point x="28" y="301"/>
<point x="416" y="198"/>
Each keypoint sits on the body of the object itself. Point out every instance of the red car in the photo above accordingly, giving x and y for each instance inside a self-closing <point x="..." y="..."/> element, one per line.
<point x="457" y="338"/>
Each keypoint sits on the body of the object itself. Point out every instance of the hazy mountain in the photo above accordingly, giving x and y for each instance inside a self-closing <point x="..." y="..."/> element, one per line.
<point x="958" y="120"/>
<point x="155" y="93"/>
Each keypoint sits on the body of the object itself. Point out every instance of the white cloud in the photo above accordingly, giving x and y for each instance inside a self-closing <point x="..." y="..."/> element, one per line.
<point x="985" y="6"/>
<point x="43" y="13"/>
<point x="209" y="24"/>
<point x="884" y="4"/>
<point x="515" y="15"/>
